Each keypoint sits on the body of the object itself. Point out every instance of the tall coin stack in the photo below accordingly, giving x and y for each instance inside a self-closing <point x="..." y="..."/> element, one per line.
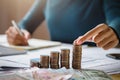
<point x="77" y="55"/>
<point x="54" y="60"/>
<point x="44" y="61"/>
<point x="65" y="58"/>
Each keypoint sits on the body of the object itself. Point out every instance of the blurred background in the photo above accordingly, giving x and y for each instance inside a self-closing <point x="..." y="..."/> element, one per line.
<point x="16" y="9"/>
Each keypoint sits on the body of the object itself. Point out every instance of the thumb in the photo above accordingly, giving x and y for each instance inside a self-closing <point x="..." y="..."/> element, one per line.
<point x="27" y="35"/>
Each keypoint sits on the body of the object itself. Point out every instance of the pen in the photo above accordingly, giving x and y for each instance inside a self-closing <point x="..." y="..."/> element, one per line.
<point x="17" y="28"/>
<point x="12" y="68"/>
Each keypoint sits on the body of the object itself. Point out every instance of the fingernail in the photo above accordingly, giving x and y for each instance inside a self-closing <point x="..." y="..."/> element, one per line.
<point x="79" y="42"/>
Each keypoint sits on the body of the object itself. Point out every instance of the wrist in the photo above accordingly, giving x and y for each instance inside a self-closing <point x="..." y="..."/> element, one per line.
<point x="116" y="35"/>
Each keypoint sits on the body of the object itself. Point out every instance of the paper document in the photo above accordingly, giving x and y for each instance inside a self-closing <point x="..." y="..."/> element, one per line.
<point x="7" y="51"/>
<point x="36" y="44"/>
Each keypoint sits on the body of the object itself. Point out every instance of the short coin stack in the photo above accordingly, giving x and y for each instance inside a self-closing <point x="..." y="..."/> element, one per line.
<point x="65" y="58"/>
<point x="44" y="61"/>
<point x="77" y="53"/>
<point x="35" y="62"/>
<point x="54" y="60"/>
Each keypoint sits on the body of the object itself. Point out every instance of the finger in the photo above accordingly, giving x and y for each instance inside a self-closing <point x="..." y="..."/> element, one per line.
<point x="76" y="41"/>
<point x="105" y="41"/>
<point x="9" y="40"/>
<point x="111" y="44"/>
<point x="21" y="40"/>
<point x="7" y="31"/>
<point x="90" y="40"/>
<point x="17" y="42"/>
<point x="27" y="35"/>
<point x="92" y="32"/>
<point x="102" y="35"/>
<point x="11" y="32"/>
<point x="12" y="41"/>
<point x="15" y="36"/>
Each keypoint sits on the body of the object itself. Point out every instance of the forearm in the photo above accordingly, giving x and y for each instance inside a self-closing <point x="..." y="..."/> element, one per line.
<point x="34" y="17"/>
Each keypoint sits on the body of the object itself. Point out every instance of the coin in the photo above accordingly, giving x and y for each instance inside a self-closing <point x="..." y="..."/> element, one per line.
<point x="35" y="62"/>
<point x="44" y="61"/>
<point x="77" y="55"/>
<point x="54" y="66"/>
<point x="77" y="48"/>
<point x="65" y="54"/>
<point x="54" y="57"/>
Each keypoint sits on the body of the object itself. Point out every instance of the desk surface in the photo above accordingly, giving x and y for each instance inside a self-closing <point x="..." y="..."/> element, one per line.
<point x="115" y="76"/>
<point x="92" y="58"/>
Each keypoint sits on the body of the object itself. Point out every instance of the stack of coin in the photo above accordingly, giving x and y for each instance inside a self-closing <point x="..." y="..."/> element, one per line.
<point x="35" y="62"/>
<point x="77" y="53"/>
<point x="54" y="60"/>
<point x="65" y="58"/>
<point x="44" y="61"/>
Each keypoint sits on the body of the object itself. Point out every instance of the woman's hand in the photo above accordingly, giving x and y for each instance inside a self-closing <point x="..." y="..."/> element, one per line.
<point x="15" y="38"/>
<point x="102" y="35"/>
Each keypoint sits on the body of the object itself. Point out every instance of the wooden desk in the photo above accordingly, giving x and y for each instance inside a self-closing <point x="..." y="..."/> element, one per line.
<point x="115" y="76"/>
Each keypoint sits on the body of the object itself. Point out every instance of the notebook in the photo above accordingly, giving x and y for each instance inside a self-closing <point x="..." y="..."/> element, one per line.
<point x="7" y="51"/>
<point x="36" y="44"/>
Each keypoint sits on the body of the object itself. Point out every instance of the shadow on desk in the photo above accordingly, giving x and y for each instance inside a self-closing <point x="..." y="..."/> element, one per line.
<point x="116" y="76"/>
<point x="118" y="46"/>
